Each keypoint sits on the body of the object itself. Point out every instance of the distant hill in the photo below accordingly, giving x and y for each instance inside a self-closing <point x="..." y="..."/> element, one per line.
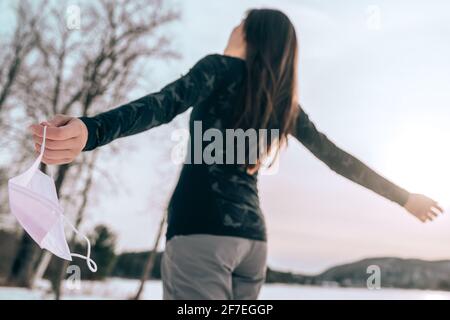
<point x="395" y="273"/>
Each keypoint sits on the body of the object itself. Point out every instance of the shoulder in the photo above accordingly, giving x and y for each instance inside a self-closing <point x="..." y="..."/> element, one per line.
<point x="220" y="63"/>
<point x="303" y="126"/>
<point x="301" y="118"/>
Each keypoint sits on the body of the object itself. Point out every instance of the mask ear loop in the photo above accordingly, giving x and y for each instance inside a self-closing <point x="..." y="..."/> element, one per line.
<point x="44" y="137"/>
<point x="38" y="160"/>
<point x="90" y="263"/>
<point x="43" y="140"/>
<point x="43" y="149"/>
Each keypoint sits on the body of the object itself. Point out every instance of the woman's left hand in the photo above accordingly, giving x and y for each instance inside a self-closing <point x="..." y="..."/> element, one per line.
<point x="422" y="207"/>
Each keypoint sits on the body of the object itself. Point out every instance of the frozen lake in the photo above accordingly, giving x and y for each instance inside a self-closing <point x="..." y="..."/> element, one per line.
<point x="124" y="289"/>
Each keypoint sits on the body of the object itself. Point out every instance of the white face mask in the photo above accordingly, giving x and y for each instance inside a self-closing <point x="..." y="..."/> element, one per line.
<point x="34" y="202"/>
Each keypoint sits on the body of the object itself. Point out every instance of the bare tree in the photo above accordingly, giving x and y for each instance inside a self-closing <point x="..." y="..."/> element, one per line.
<point x="150" y="262"/>
<point x="86" y="71"/>
<point x="15" y="58"/>
<point x="17" y="51"/>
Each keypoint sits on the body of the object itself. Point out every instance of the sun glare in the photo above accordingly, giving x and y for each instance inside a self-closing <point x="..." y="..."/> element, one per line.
<point x="418" y="158"/>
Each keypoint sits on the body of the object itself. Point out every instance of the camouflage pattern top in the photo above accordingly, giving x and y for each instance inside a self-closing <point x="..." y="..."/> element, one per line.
<point x="220" y="199"/>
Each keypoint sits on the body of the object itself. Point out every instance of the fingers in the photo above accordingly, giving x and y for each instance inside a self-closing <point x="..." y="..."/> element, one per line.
<point x="431" y="214"/>
<point x="57" y="157"/>
<point x="425" y="218"/>
<point x="434" y="211"/>
<point x="438" y="207"/>
<point x="54" y="133"/>
<point x="48" y="161"/>
<point x="58" y="162"/>
<point x="56" y="154"/>
<point x="425" y="215"/>
<point x="59" y="120"/>
<point x="71" y="143"/>
<point x="63" y="132"/>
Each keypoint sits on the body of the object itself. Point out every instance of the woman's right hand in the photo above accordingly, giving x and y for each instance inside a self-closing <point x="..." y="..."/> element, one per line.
<point x="66" y="138"/>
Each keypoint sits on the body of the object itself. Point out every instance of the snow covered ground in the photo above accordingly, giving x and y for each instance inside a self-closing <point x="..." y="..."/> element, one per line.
<point x="124" y="289"/>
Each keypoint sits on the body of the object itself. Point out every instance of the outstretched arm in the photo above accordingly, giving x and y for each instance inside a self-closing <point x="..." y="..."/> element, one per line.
<point x="154" y="109"/>
<point x="68" y="136"/>
<point x="350" y="167"/>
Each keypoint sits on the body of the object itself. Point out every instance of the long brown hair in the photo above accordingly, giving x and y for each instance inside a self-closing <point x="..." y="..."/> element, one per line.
<point x="270" y="95"/>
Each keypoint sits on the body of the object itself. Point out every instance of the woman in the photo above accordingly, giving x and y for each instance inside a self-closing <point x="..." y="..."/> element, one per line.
<point x="216" y="237"/>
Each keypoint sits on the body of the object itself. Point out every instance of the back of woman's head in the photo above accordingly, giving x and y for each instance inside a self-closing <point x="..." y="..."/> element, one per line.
<point x="270" y="99"/>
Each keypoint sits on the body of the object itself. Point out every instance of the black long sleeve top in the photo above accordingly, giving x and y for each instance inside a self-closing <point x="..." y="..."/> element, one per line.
<point x="217" y="198"/>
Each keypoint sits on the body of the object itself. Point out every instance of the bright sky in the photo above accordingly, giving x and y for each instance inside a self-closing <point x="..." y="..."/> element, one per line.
<point x="375" y="77"/>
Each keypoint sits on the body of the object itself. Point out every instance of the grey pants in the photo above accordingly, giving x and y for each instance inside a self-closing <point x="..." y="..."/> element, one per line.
<point x="208" y="267"/>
